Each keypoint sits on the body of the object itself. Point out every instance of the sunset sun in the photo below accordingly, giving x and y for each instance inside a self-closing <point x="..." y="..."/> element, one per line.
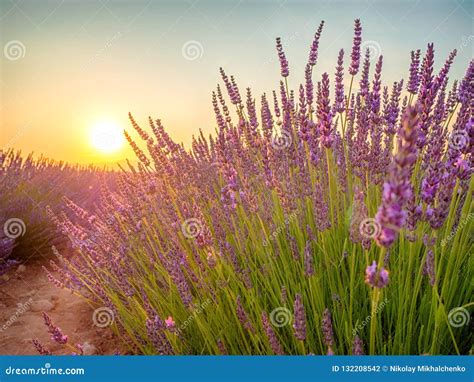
<point x="107" y="137"/>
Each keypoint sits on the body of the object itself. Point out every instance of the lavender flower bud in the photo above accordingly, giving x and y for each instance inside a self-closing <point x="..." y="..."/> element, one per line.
<point x="429" y="267"/>
<point x="375" y="278"/>
<point x="308" y="260"/>
<point x="299" y="325"/>
<point x="358" y="346"/>
<point x="221" y="347"/>
<point x="414" y="79"/>
<point x="243" y="317"/>
<point x="155" y="330"/>
<point x="327" y="328"/>
<point x="56" y="333"/>
<point x="324" y="113"/>
<point x="339" y="105"/>
<point x="284" y="294"/>
<point x="397" y="190"/>
<point x="283" y="61"/>
<point x="355" y="55"/>
<point x="271" y="336"/>
<point x="313" y="53"/>
<point x="40" y="348"/>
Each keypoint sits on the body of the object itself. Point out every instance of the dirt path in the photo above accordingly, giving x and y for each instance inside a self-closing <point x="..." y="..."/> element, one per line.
<point x="25" y="295"/>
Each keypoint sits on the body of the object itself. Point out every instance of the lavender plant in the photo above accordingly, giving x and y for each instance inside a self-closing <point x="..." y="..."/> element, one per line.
<point x="27" y="186"/>
<point x="365" y="176"/>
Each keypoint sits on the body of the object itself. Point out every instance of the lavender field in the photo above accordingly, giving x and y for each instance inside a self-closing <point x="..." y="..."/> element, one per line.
<point x="317" y="219"/>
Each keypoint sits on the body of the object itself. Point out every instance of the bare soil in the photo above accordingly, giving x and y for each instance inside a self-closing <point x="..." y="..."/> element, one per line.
<point x="24" y="293"/>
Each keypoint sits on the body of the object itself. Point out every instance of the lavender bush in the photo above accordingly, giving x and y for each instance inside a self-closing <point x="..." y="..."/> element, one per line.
<point x="27" y="186"/>
<point x="295" y="220"/>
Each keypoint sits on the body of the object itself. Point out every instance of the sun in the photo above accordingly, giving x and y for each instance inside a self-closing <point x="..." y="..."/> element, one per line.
<point x="107" y="137"/>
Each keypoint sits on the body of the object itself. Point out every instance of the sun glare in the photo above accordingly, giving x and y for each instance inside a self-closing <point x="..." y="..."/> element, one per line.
<point x="107" y="137"/>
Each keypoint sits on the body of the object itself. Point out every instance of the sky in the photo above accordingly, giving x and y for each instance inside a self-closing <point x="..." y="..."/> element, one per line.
<point x="70" y="67"/>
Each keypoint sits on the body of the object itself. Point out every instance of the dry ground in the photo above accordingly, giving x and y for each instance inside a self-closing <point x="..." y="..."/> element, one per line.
<point x="28" y="285"/>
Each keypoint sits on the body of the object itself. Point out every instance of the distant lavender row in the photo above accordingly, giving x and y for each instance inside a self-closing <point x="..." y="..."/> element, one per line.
<point x="27" y="186"/>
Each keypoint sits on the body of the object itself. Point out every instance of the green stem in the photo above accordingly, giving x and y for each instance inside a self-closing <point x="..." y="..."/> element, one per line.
<point x="373" y="321"/>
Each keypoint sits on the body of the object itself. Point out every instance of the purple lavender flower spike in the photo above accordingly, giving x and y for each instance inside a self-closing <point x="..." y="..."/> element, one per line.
<point x="299" y="325"/>
<point x="442" y="75"/>
<point x="375" y="95"/>
<point x="230" y="88"/>
<point x="429" y="267"/>
<point x="359" y="214"/>
<point x="426" y="95"/>
<point x="308" y="260"/>
<point x="414" y="79"/>
<point x="271" y="336"/>
<point x="313" y="53"/>
<point x="327" y="328"/>
<point x="358" y="346"/>
<point x="284" y="294"/>
<point x="324" y="113"/>
<point x="375" y="278"/>
<point x="156" y="334"/>
<point x="339" y="105"/>
<point x="56" y="333"/>
<point x="397" y="190"/>
<point x="243" y="317"/>
<point x="437" y="216"/>
<point x="355" y="55"/>
<point x="309" y="88"/>
<point x="42" y="350"/>
<point x="283" y="61"/>
<point x="430" y="185"/>
<point x="364" y="83"/>
<point x="221" y="347"/>
<point x="328" y="331"/>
